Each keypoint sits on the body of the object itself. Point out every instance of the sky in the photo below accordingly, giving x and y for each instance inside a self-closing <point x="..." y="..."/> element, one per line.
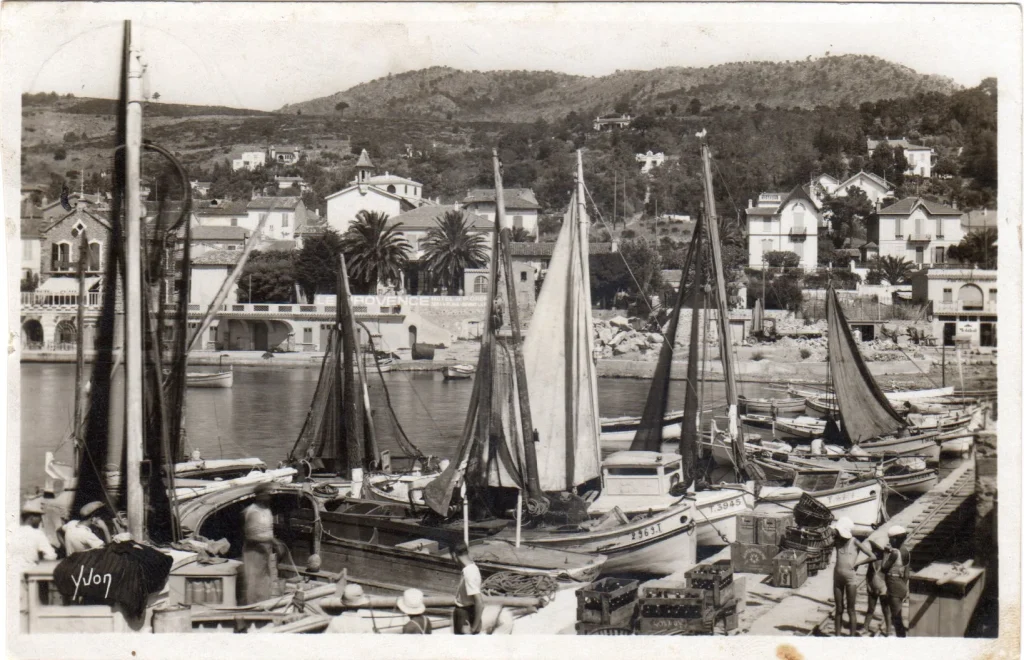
<point x="264" y="56"/>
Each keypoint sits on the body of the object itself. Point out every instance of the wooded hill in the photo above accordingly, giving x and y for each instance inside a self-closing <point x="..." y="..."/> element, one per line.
<point x="518" y="96"/>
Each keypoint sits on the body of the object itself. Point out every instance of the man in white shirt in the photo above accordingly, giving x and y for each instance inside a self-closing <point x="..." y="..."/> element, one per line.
<point x="79" y="538"/>
<point x="259" y="556"/>
<point x="29" y="543"/>
<point x="469" y="603"/>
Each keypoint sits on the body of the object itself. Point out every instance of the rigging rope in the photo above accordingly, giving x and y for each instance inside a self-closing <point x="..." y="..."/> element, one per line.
<point x="509" y="583"/>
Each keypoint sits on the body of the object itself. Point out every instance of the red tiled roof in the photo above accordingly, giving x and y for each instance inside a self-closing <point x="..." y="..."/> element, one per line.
<point x="219" y="233"/>
<point x="222" y="208"/>
<point x="276" y="203"/>
<point x="427" y="217"/>
<point x="515" y="198"/>
<point x="907" y="205"/>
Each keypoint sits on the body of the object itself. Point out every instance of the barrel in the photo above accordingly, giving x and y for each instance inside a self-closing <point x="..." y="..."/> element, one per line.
<point x="177" y="619"/>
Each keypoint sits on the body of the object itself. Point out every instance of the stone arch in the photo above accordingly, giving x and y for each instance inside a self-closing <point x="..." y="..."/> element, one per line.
<point x="65" y="332"/>
<point x="32" y="334"/>
<point x="971" y="297"/>
<point x="280" y="334"/>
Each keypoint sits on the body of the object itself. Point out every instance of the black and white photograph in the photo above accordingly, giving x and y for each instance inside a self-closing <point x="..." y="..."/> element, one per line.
<point x="512" y="320"/>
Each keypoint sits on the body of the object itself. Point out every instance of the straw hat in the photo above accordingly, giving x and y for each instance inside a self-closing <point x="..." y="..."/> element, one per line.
<point x="411" y="602"/>
<point x="353" y="596"/>
<point x="897" y="530"/>
<point x="844" y="532"/>
<point x="32" y="507"/>
<point x="91" y="508"/>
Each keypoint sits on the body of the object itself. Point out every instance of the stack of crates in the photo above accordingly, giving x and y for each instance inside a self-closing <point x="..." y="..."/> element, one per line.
<point x="758" y="537"/>
<point x="716" y="578"/>
<point x="671" y="606"/>
<point x="790" y="569"/>
<point x="607" y="603"/>
<point x="815" y="542"/>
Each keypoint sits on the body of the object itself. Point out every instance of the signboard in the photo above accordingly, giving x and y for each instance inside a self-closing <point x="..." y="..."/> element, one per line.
<point x="967" y="328"/>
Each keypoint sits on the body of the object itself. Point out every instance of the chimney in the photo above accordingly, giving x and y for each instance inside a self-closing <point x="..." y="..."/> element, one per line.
<point x="750" y="203"/>
<point x="955" y="205"/>
<point x="615" y="245"/>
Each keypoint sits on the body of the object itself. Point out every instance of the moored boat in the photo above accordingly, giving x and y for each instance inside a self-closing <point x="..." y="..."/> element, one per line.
<point x="771" y="406"/>
<point x="217" y="379"/>
<point x="458" y="372"/>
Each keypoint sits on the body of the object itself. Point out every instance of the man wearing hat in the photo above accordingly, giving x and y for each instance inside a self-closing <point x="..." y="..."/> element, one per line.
<point x="877" y="590"/>
<point x="84" y="534"/>
<point x="844" y="575"/>
<point x="357" y="619"/>
<point x="259" y="552"/>
<point x="896" y="566"/>
<point x="29" y="543"/>
<point x="411" y="603"/>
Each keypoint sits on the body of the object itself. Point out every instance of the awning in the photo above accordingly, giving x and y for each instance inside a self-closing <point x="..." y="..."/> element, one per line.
<point x="66" y="285"/>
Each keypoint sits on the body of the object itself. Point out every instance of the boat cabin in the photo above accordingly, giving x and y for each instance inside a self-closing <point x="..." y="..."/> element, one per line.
<point x="641" y="473"/>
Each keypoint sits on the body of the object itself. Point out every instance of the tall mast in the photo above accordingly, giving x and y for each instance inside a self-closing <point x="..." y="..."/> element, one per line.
<point x="80" y="350"/>
<point x="724" y="343"/>
<point x="537" y="503"/>
<point x="133" y="293"/>
<point x="584" y="238"/>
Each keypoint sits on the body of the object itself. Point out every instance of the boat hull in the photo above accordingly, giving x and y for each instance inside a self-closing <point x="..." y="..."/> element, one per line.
<point x="660" y="543"/>
<point x="957" y="445"/>
<point x="861" y="502"/>
<point x="221" y="379"/>
<point x="915" y="483"/>
<point x="621" y="440"/>
<point x="770" y="405"/>
<point x="454" y="373"/>
<point x="716" y="515"/>
<point x="925" y="447"/>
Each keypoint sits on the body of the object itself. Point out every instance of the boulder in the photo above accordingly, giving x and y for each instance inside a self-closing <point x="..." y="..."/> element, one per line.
<point x="605" y="333"/>
<point x="654" y="338"/>
<point x="619" y="337"/>
<point x="620" y="322"/>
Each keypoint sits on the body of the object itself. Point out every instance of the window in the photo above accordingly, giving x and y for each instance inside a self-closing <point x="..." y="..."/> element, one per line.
<point x="918" y="227"/>
<point x="234" y="222"/>
<point x="919" y="256"/>
<point x="284" y="220"/>
<point x="992" y="295"/>
<point x="480" y="284"/>
<point x="232" y="247"/>
<point x="392" y="189"/>
<point x="522" y="276"/>
<point x="899" y="227"/>
<point x="307" y="335"/>
<point x="938" y="228"/>
<point x="60" y="256"/>
<point x="213" y="335"/>
<point x="766" y="225"/>
<point x="798" y="249"/>
<point x="405" y="189"/>
<point x="947" y="295"/>
<point x="95" y="255"/>
<point x="798" y="217"/>
<point x="517" y="221"/>
<point x="940" y="255"/>
<point x="26" y="250"/>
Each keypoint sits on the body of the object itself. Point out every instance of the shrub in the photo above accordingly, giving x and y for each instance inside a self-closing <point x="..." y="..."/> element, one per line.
<point x="804" y="353"/>
<point x="60" y="153"/>
<point x="777" y="259"/>
<point x="757" y="356"/>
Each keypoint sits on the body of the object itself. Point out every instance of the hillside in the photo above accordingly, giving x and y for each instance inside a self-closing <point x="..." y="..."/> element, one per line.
<point x="523" y="96"/>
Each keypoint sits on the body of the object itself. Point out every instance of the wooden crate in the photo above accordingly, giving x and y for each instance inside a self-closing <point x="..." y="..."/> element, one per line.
<point x="664" y="589"/>
<point x="771" y="528"/>
<point x="692" y="604"/>
<point x="716" y="578"/>
<point x="746" y="528"/>
<point x="729" y="615"/>
<point x="943" y="610"/>
<point x="606" y="600"/>
<point x="702" y="626"/>
<point x="790" y="569"/>
<point x="753" y="557"/>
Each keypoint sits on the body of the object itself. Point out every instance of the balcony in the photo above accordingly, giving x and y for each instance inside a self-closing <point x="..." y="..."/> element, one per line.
<point x="798" y="233"/>
<point x="918" y="238"/>
<point x="50" y="299"/>
<point x="961" y="307"/>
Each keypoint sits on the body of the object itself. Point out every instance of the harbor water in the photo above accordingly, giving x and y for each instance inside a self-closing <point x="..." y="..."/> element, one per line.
<point x="263" y="413"/>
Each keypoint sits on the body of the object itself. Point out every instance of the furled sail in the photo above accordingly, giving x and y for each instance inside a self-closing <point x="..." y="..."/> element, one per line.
<point x="864" y="410"/>
<point x="649" y="435"/>
<point x="559" y="361"/>
<point x="491" y="453"/>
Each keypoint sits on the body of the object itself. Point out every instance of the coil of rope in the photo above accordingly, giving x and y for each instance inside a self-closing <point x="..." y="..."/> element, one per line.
<point x="508" y="583"/>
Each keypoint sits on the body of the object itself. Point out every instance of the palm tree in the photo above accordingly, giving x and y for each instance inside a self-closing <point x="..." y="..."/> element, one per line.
<point x="449" y="249"/>
<point x="978" y="248"/>
<point x="374" y="251"/>
<point x="894" y="270"/>
<point x="521" y="235"/>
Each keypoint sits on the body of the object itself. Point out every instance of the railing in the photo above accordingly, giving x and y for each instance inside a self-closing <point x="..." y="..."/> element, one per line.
<point x="50" y="299"/>
<point x="959" y="306"/>
<point x="798" y="232"/>
<point x="913" y="238"/>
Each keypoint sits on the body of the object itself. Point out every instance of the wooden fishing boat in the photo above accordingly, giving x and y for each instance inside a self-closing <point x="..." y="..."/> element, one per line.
<point x="858" y="500"/>
<point x="946" y="421"/>
<point x="905" y="476"/>
<point x="924" y="446"/>
<point x="770" y="406"/>
<point x="911" y="395"/>
<point x="622" y="440"/>
<point x="458" y="372"/>
<point x="797" y="427"/>
<point x="217" y="379"/>
<point x="627" y="423"/>
<point x="639" y="482"/>
<point x="821" y="405"/>
<point x="372" y="363"/>
<point x="955" y="443"/>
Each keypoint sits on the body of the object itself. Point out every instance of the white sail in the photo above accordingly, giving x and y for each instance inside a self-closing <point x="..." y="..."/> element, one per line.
<point x="558" y="353"/>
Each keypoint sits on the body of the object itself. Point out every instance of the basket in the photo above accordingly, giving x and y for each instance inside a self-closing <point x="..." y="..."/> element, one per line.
<point x="809" y="512"/>
<point x="807" y="539"/>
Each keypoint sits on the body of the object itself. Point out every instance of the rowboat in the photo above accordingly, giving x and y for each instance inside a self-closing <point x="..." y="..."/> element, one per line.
<point x="925" y="446"/>
<point x="799" y="427"/>
<point x="905" y="476"/>
<point x="821" y="405"/>
<point x="459" y="372"/>
<point x="372" y="363"/>
<point x="956" y="443"/>
<point x="771" y="405"/>
<point x="859" y="500"/>
<point x="911" y="395"/>
<point x="214" y="379"/>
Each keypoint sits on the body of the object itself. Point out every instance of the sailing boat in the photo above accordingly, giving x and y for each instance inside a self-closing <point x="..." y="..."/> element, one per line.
<point x="336" y="447"/>
<point x="533" y="429"/>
